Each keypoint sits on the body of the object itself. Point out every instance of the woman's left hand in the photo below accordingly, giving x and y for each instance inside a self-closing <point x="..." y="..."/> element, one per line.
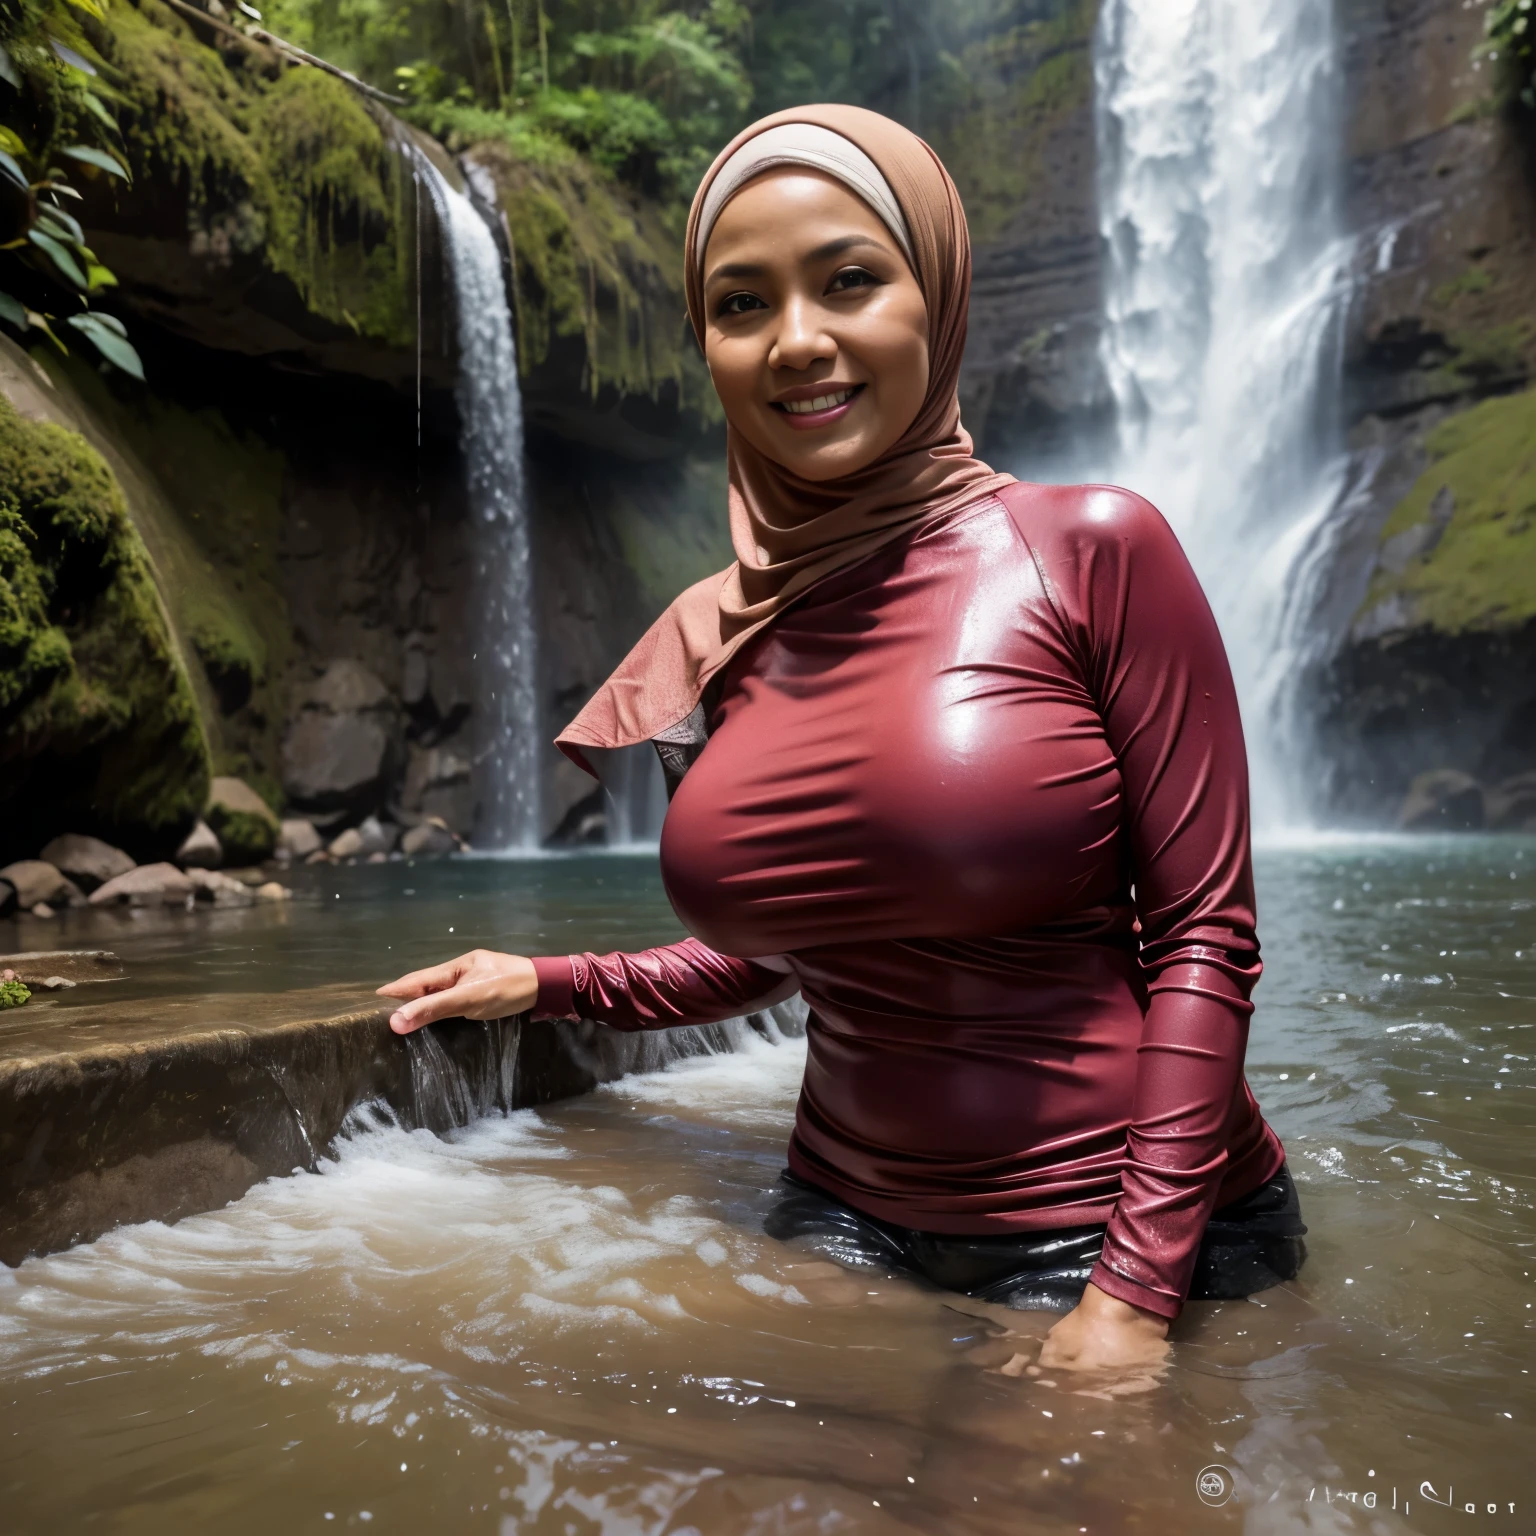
<point x="1103" y="1333"/>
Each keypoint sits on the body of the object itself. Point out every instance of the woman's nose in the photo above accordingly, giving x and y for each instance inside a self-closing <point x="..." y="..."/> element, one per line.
<point x="802" y="339"/>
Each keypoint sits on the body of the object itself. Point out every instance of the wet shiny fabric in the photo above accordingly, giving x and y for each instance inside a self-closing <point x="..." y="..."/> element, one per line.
<point x="1248" y="1246"/>
<point x="982" y="800"/>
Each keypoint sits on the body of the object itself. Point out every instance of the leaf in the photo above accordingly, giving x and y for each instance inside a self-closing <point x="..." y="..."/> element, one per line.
<point x="114" y="347"/>
<point x="13" y="311"/>
<point x="91" y="8"/>
<point x="111" y="322"/>
<point x="99" y="158"/>
<point x="71" y="58"/>
<point x="59" y="256"/>
<point x="9" y="168"/>
<point x="99" y="276"/>
<point x="98" y="109"/>
<point x="11" y="141"/>
<point x="250" y="10"/>
<point x="8" y="70"/>
<point x="60" y="224"/>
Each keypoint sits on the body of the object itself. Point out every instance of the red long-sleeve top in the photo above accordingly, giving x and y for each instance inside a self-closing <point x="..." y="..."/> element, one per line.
<point x="982" y="799"/>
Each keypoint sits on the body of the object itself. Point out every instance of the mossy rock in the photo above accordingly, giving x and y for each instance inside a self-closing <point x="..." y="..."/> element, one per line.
<point x="266" y="160"/>
<point x="1472" y="513"/>
<point x="99" y="728"/>
<point x="245" y="836"/>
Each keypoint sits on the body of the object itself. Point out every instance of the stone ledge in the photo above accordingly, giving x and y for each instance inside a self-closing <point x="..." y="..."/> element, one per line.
<point x="159" y="1117"/>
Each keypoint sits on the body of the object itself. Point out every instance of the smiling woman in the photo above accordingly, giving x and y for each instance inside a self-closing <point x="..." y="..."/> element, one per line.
<point x="959" y="760"/>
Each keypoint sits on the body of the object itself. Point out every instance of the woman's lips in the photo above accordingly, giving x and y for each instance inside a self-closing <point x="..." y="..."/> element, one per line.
<point x="803" y="420"/>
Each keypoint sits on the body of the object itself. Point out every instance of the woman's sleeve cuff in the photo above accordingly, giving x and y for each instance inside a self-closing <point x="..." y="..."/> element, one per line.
<point x="556" y="997"/>
<point x="1112" y="1283"/>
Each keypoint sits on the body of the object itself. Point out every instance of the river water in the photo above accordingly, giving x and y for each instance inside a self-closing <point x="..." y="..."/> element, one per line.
<point x="568" y="1321"/>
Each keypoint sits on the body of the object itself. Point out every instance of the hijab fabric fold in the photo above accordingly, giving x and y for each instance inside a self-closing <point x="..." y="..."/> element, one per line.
<point x="789" y="533"/>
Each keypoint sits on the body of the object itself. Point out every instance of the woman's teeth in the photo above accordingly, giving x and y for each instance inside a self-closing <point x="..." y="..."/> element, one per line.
<point x="820" y="403"/>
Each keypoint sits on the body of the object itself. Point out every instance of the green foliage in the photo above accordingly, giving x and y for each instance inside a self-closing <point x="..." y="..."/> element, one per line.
<point x="283" y="165"/>
<point x="47" y="66"/>
<point x="14" y="993"/>
<point x="1511" y="41"/>
<point x="99" y="729"/>
<point x="1482" y="570"/>
<point x="646" y="92"/>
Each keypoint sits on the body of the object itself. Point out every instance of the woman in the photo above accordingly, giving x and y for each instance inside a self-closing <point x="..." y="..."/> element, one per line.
<point x="958" y="759"/>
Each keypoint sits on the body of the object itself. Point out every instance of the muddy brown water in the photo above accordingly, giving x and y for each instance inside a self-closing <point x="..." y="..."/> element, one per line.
<point x="569" y="1321"/>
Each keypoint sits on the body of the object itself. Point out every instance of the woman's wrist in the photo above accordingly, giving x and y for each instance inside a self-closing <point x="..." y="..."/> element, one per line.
<point x="1102" y="1307"/>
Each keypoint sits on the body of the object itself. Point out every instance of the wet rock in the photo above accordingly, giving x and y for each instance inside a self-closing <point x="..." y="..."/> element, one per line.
<point x="244" y="823"/>
<point x="201" y="849"/>
<point x="87" y="861"/>
<point x="1443" y="800"/>
<point x="36" y="880"/>
<point x="1511" y="804"/>
<point x="42" y="909"/>
<point x="585" y="825"/>
<point x="430" y="839"/>
<point x="36" y="966"/>
<point x="57" y="983"/>
<point x="150" y="885"/>
<point x="437" y="784"/>
<point x="297" y="838"/>
<point x="337" y="749"/>
<point x="221" y="889"/>
<point x="371" y="836"/>
<point x="272" y="891"/>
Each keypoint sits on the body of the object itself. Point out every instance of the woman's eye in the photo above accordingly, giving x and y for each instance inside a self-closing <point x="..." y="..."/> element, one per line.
<point x="740" y="304"/>
<point x="852" y="277"/>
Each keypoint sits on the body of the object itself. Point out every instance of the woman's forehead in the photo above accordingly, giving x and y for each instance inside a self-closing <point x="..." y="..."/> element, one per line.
<point x="789" y="212"/>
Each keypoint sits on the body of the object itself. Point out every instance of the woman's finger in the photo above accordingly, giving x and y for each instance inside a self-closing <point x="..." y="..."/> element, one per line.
<point x="433" y="979"/>
<point x="452" y="1003"/>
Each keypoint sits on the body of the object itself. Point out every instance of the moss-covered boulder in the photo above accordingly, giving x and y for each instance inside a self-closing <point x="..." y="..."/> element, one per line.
<point x="99" y="729"/>
<point x="1459" y="552"/>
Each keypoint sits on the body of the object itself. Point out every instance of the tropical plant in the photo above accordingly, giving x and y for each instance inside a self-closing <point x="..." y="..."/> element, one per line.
<point x="1511" y="38"/>
<point x="48" y="102"/>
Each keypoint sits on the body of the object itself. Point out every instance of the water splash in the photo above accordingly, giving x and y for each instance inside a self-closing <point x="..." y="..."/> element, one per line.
<point x="1226" y="278"/>
<point x="491" y="436"/>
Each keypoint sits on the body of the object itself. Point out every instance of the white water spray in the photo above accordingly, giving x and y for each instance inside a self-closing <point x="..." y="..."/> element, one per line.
<point x="1218" y="153"/>
<point x="491" y="436"/>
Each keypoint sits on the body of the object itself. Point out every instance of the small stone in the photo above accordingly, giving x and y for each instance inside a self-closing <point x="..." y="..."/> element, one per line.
<point x="87" y="861"/>
<point x="201" y="849"/>
<point x="42" y="909"/>
<point x="147" y="886"/>
<point x="36" y="880"/>
<point x="378" y="836"/>
<point x="221" y="889"/>
<point x="320" y="856"/>
<point x="272" y="891"/>
<point x="377" y="858"/>
<point x="431" y="839"/>
<point x="346" y="846"/>
<point x="54" y="983"/>
<point x="298" y="837"/>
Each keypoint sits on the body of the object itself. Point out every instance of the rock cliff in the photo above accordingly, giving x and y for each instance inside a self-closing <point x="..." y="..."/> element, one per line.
<point x="1433" y="588"/>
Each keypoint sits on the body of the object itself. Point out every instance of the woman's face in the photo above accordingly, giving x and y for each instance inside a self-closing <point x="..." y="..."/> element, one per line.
<point x="816" y="332"/>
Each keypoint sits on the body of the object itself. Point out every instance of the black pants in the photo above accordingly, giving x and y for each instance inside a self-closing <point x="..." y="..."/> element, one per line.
<point x="1249" y="1245"/>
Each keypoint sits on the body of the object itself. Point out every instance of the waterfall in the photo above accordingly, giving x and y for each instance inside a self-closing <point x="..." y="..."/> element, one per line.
<point x="491" y="437"/>
<point x="1219" y="158"/>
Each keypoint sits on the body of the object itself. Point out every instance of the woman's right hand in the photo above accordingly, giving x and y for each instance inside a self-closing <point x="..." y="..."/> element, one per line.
<point x="479" y="985"/>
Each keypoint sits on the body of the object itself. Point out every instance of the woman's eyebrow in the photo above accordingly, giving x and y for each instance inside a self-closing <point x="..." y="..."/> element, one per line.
<point x="738" y="269"/>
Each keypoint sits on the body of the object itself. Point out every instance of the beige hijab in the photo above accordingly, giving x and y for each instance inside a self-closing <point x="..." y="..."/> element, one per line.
<point x="789" y="533"/>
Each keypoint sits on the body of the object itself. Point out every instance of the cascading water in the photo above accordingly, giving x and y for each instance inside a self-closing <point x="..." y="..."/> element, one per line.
<point x="1226" y="275"/>
<point x="491" y="435"/>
